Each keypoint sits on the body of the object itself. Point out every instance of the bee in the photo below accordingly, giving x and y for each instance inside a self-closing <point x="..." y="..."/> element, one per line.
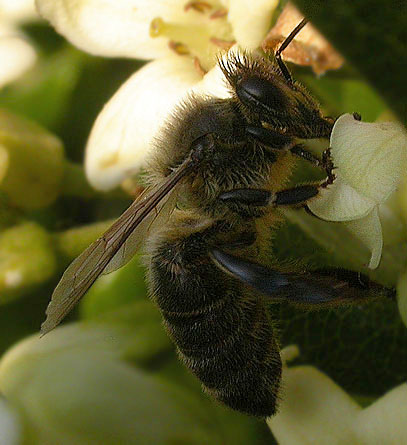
<point x="215" y="186"/>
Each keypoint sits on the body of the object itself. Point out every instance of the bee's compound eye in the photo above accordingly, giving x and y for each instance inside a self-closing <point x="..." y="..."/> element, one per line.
<point x="256" y="90"/>
<point x="201" y="146"/>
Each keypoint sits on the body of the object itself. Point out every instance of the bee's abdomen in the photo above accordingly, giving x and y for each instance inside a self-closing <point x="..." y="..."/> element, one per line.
<point x="223" y="332"/>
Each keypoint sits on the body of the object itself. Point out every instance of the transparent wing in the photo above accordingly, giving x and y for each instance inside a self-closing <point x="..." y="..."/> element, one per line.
<point x="113" y="249"/>
<point x="133" y="243"/>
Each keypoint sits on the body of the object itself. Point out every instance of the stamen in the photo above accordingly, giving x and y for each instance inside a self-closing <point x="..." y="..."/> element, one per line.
<point x="198" y="67"/>
<point x="177" y="32"/>
<point x="195" y="40"/>
<point x="198" y="6"/>
<point x="219" y="13"/>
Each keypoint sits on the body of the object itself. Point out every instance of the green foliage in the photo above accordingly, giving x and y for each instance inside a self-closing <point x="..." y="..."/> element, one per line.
<point x="28" y="153"/>
<point x="26" y="260"/>
<point x="372" y="35"/>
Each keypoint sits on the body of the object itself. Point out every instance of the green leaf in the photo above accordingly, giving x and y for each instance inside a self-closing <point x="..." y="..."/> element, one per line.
<point x="101" y="399"/>
<point x="31" y="162"/>
<point x="44" y="94"/>
<point x="26" y="260"/>
<point x="111" y="291"/>
<point x="372" y="35"/>
<point x="344" y="95"/>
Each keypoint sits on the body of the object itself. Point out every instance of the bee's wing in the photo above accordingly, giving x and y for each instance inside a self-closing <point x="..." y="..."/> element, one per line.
<point x="158" y="216"/>
<point x="112" y="250"/>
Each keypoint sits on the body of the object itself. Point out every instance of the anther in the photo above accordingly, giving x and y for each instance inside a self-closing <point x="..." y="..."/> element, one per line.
<point x="224" y="44"/>
<point x="179" y="48"/>
<point x="198" y="6"/>
<point x="219" y="13"/>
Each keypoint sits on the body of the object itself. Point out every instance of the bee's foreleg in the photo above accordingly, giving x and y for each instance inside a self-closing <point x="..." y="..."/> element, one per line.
<point x="277" y="141"/>
<point x="317" y="289"/>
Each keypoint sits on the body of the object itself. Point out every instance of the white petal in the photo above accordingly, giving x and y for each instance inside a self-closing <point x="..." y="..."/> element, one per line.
<point x="213" y="83"/>
<point x="340" y="202"/>
<point x="251" y="20"/>
<point x="384" y="422"/>
<point x="121" y="137"/>
<point x="115" y="27"/>
<point x="18" y="10"/>
<point x="372" y="157"/>
<point x="313" y="410"/>
<point x="402" y="296"/>
<point x="9" y="427"/>
<point x="369" y="231"/>
<point x="16" y="56"/>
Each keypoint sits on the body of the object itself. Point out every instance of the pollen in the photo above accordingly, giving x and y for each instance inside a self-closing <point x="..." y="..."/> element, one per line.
<point x="219" y="14"/>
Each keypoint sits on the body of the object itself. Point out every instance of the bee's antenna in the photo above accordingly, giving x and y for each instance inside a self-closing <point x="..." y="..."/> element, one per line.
<point x="284" y="45"/>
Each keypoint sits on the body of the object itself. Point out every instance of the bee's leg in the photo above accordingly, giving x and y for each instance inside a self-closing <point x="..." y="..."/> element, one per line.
<point x="278" y="141"/>
<point x="294" y="196"/>
<point x="325" y="162"/>
<point x="287" y="41"/>
<point x="317" y="289"/>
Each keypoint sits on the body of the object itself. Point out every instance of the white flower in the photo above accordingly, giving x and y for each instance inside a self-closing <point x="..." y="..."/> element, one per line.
<point x="9" y="425"/>
<point x="16" y="53"/>
<point x="184" y="37"/>
<point x="370" y="161"/>
<point x="315" y="410"/>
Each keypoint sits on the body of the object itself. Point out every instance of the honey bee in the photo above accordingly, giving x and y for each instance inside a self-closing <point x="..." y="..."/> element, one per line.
<point x="215" y="186"/>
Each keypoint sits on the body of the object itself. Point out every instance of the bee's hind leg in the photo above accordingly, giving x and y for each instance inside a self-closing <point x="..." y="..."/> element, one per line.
<point x="317" y="289"/>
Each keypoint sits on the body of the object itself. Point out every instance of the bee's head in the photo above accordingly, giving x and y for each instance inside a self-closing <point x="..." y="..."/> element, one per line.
<point x="267" y="97"/>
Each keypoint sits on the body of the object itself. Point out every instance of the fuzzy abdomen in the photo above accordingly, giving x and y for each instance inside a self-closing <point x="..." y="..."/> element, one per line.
<point x="222" y="331"/>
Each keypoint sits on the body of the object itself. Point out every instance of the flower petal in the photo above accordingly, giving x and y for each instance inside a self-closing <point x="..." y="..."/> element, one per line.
<point x="115" y="28"/>
<point x="9" y="425"/>
<point x="369" y="231"/>
<point x="372" y="157"/>
<point x="121" y="137"/>
<point x="383" y="422"/>
<point x="16" y="55"/>
<point x="312" y="409"/>
<point x="18" y="10"/>
<point x="214" y="84"/>
<point x="251" y="20"/>
<point x="340" y="202"/>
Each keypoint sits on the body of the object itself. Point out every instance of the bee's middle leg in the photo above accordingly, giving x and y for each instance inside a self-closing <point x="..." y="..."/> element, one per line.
<point x="295" y="196"/>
